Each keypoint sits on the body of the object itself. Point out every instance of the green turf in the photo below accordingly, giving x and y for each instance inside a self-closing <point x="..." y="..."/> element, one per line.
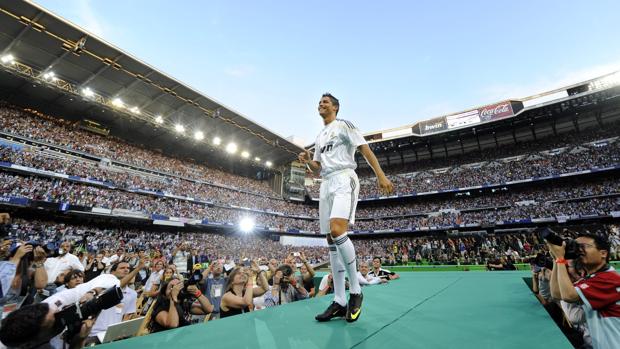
<point x="421" y="310"/>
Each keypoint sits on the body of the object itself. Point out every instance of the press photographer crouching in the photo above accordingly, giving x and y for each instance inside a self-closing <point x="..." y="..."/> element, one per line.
<point x="59" y="318"/>
<point x="598" y="291"/>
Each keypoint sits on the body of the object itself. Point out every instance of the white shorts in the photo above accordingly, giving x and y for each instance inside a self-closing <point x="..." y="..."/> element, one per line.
<point x="339" y="193"/>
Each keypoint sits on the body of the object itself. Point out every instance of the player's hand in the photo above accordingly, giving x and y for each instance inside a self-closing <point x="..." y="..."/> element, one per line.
<point x="385" y="186"/>
<point x="304" y="157"/>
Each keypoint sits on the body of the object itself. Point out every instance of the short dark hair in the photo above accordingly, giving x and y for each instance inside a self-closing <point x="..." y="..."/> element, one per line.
<point x="20" y="326"/>
<point x="285" y="269"/>
<point x="377" y="257"/>
<point x="69" y="275"/>
<point x="115" y="266"/>
<point x="334" y="100"/>
<point x="601" y="241"/>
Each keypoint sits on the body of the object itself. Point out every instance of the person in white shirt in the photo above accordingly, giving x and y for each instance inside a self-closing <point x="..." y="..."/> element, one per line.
<point x="65" y="261"/>
<point x="334" y="158"/>
<point x="122" y="311"/>
<point x="365" y="278"/>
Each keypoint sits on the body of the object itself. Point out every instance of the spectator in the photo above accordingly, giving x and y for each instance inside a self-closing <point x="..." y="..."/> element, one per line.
<point x="64" y="262"/>
<point x="381" y="273"/>
<point x="213" y="286"/>
<point x="365" y="279"/>
<point x="238" y="293"/>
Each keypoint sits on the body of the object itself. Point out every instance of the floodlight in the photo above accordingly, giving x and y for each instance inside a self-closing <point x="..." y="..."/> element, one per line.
<point x="87" y="92"/>
<point x="245" y="154"/>
<point x="8" y="59"/>
<point x="257" y="159"/>
<point x="231" y="148"/>
<point x="217" y="141"/>
<point x="179" y="128"/>
<point x="199" y="136"/>
<point x="159" y="119"/>
<point x="50" y="76"/>
<point x="246" y="224"/>
<point x="135" y="110"/>
<point x="117" y="102"/>
<point x="268" y="163"/>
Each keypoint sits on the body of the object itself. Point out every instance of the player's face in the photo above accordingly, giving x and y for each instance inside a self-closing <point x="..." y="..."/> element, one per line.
<point x="326" y="107"/>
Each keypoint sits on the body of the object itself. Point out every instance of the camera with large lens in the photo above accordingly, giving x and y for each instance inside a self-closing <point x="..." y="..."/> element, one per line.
<point x="72" y="316"/>
<point x="572" y="248"/>
<point x="191" y="280"/>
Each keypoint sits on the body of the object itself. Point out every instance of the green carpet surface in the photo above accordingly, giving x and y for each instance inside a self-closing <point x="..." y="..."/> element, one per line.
<point x="420" y="310"/>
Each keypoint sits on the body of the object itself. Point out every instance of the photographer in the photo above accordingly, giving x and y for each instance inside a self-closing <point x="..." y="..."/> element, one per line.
<point x="213" y="283"/>
<point x="35" y="325"/>
<point x="238" y="293"/>
<point x="29" y="276"/>
<point x="94" y="266"/>
<point x="285" y="288"/>
<point x="123" y="310"/>
<point x="599" y="290"/>
<point x="169" y="313"/>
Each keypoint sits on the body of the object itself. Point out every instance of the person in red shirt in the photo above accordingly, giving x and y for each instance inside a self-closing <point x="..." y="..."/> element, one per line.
<point x="598" y="291"/>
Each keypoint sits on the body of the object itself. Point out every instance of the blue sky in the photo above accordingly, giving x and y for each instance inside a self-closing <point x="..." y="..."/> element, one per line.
<point x="390" y="63"/>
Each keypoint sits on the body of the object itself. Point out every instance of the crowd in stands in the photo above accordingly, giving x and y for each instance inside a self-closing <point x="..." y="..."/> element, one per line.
<point x="499" y="165"/>
<point x="525" y="204"/>
<point x="59" y="132"/>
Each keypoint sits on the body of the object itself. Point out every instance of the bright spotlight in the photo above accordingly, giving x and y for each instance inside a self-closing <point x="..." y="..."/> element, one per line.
<point x="117" y="102"/>
<point x="231" y="148"/>
<point x="159" y="119"/>
<point x="8" y="59"/>
<point x="179" y="128"/>
<point x="199" y="136"/>
<point x="87" y="92"/>
<point x="246" y="224"/>
<point x="50" y="76"/>
<point x="257" y="159"/>
<point x="135" y="110"/>
<point x="245" y="154"/>
<point x="217" y="141"/>
<point x="268" y="163"/>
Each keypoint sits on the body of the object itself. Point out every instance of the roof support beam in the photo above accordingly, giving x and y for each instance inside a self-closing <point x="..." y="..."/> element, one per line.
<point x="21" y="33"/>
<point x="99" y="71"/>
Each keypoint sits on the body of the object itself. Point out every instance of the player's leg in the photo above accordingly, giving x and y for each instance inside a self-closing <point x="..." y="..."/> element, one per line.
<point x="343" y="213"/>
<point x="338" y="307"/>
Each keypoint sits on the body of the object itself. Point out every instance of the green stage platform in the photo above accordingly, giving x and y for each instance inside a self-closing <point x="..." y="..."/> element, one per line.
<point x="421" y="310"/>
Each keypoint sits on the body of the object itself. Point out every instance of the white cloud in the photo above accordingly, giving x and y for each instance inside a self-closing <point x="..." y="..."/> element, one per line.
<point x="546" y="83"/>
<point x="80" y="12"/>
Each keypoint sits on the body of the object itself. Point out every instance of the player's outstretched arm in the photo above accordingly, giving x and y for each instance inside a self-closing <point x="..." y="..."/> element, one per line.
<point x="385" y="186"/>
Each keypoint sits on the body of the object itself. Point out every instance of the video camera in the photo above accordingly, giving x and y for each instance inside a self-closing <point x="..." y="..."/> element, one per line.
<point x="72" y="316"/>
<point x="572" y="248"/>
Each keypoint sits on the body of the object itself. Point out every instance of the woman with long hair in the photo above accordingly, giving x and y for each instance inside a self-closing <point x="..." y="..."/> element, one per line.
<point x="238" y="293"/>
<point x="168" y="312"/>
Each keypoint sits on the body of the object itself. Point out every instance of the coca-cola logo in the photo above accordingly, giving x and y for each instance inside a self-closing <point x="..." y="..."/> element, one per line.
<point x="496" y="111"/>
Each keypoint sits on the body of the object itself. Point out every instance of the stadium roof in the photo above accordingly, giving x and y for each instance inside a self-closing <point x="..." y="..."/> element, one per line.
<point x="41" y="43"/>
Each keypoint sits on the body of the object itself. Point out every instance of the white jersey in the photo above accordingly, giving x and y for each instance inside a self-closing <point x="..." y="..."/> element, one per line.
<point x="335" y="146"/>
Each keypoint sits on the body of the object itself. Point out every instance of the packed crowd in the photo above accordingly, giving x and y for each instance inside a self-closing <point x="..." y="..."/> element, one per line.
<point x="175" y="279"/>
<point x="521" y="204"/>
<point x="122" y="178"/>
<point x="577" y="158"/>
<point x="40" y="127"/>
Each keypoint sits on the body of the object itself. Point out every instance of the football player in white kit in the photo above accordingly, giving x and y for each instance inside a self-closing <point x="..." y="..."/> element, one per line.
<point x="334" y="158"/>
